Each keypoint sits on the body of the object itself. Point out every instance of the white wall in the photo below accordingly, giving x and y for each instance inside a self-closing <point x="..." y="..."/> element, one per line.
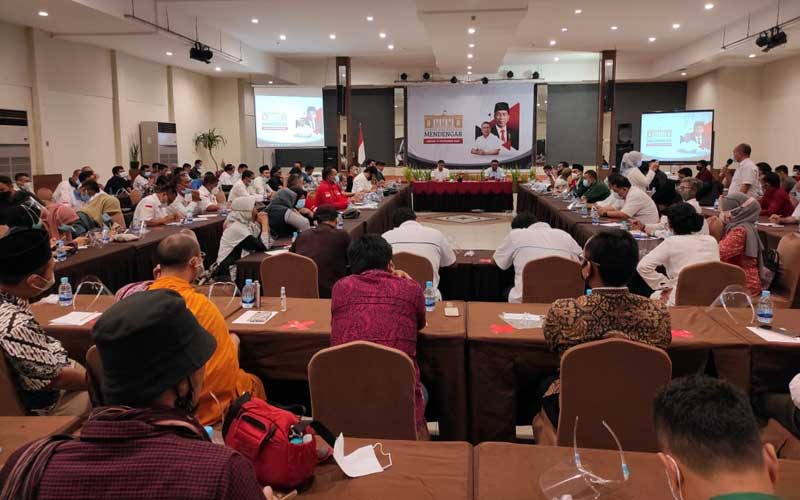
<point x="192" y="99"/>
<point x="143" y="95"/>
<point x="780" y="105"/>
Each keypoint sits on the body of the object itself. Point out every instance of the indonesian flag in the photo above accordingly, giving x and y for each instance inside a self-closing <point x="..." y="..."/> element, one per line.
<point x="362" y="155"/>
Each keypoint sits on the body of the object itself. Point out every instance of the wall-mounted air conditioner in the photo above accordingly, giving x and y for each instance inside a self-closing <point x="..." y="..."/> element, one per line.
<point x="15" y="150"/>
<point x="159" y="142"/>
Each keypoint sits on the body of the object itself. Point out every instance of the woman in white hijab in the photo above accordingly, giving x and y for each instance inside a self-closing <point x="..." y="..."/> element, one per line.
<point x="246" y="230"/>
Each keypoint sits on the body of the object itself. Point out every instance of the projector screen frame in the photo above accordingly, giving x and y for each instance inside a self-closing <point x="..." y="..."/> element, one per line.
<point x="288" y="88"/>
<point x="682" y="162"/>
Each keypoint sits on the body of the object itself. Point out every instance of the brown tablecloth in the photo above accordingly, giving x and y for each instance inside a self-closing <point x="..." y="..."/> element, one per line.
<point x="505" y="368"/>
<point x="512" y="471"/>
<point x="475" y="277"/>
<point x="420" y="470"/>
<point x="114" y="264"/>
<point x="17" y="431"/>
<point x="277" y="352"/>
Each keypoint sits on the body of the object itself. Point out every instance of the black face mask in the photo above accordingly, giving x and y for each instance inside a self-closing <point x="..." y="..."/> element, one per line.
<point x="72" y="182"/>
<point x="186" y="403"/>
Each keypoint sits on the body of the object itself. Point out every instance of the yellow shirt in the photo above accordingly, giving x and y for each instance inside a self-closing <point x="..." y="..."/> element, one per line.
<point x="223" y="376"/>
<point x="100" y="204"/>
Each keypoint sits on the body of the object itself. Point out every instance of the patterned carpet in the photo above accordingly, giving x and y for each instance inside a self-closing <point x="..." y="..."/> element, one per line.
<point x="463" y="218"/>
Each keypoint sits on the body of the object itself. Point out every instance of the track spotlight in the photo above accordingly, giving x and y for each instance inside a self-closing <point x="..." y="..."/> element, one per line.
<point x="426" y="76"/>
<point x="404" y="76"/>
<point x="201" y="53"/>
<point x="454" y="80"/>
<point x="768" y="40"/>
<point x="510" y="75"/>
<point x="484" y="80"/>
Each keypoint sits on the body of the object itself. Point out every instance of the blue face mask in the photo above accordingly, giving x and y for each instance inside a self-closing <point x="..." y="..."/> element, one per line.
<point x="63" y="228"/>
<point x="584" y="183"/>
<point x="338" y="179"/>
<point x="146" y="174"/>
<point x="84" y="197"/>
<point x="301" y="203"/>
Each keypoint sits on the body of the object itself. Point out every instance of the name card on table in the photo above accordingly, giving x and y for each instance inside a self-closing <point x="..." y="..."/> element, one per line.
<point x="776" y="334"/>
<point x="75" y="318"/>
<point x="521" y="321"/>
<point x="255" y="317"/>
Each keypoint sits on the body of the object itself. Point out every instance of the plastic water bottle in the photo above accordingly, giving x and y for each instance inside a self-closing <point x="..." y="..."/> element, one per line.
<point x="248" y="295"/>
<point x="623" y="224"/>
<point x="340" y="222"/>
<point x="588" y="292"/>
<point x="716" y="203"/>
<point x="283" y="299"/>
<point x="430" y="296"/>
<point x="595" y="216"/>
<point x="65" y="293"/>
<point x="584" y="210"/>
<point x="294" y="236"/>
<point x="764" y="309"/>
<point x="61" y="253"/>
<point x="105" y="238"/>
<point x="189" y="219"/>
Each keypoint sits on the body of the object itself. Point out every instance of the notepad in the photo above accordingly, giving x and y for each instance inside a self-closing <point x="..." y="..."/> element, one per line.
<point x="255" y="317"/>
<point x="773" y="336"/>
<point x="75" y="318"/>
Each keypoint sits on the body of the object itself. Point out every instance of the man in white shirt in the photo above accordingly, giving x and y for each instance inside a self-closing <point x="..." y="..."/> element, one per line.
<point x="143" y="181"/>
<point x="745" y="177"/>
<point x="363" y="181"/>
<point x="241" y="187"/>
<point x="209" y="194"/>
<point x="260" y="186"/>
<point x="494" y="172"/>
<point x="486" y="144"/>
<point x="530" y="240"/>
<point x="154" y="210"/>
<point x="66" y="192"/>
<point x="792" y="219"/>
<point x="412" y="237"/>
<point x="638" y="205"/>
<point x="227" y="177"/>
<point x="440" y="173"/>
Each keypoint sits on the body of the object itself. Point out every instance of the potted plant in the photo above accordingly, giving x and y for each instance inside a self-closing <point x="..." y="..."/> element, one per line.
<point x="134" y="152"/>
<point x="209" y="141"/>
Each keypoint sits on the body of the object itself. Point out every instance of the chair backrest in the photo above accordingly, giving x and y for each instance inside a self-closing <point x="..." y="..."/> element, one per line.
<point x="10" y="404"/>
<point x="135" y="197"/>
<point x="701" y="284"/>
<point x="297" y="273"/>
<point x="789" y="275"/>
<point x="364" y="390"/>
<point x="418" y="267"/>
<point x="45" y="194"/>
<point x="94" y="376"/>
<point x="614" y="380"/>
<point x="545" y="280"/>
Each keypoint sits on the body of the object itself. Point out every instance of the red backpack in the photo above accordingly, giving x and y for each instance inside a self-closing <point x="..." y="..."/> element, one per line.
<point x="275" y="441"/>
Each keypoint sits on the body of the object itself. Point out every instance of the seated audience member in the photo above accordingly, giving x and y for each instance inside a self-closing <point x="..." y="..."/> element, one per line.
<point x="741" y="244"/>
<point x="6" y="192"/>
<point x="260" y="186"/>
<point x="144" y="182"/>
<point x="561" y="184"/>
<point x="101" y="208"/>
<point x="162" y="171"/>
<point x="666" y="198"/>
<point x="775" y="200"/>
<point x="576" y="180"/>
<point x="327" y="246"/>
<point x="660" y="179"/>
<point x="494" y="172"/>
<point x="210" y="195"/>
<point x="792" y="219"/>
<point x="58" y="220"/>
<point x="704" y="172"/>
<point x="684" y="173"/>
<point x="297" y="169"/>
<point x="631" y="165"/>
<point x="710" y="443"/>
<point x="764" y="168"/>
<point x="787" y="183"/>
<point x="227" y="177"/>
<point x="638" y="205"/>
<point x="609" y="261"/>
<point x="275" y="181"/>
<point x="688" y="188"/>
<point x="246" y="230"/>
<point x="181" y="264"/>
<point x="593" y="190"/>
<point x="118" y="181"/>
<point x="363" y="181"/>
<point x="328" y="192"/>
<point x="376" y="305"/>
<point x="308" y="174"/>
<point x="530" y="240"/>
<point x="153" y="353"/>
<point x="783" y="407"/>
<point x="379" y="177"/>
<point x="242" y="168"/>
<point x="549" y="176"/>
<point x="154" y="209"/>
<point x="242" y="186"/>
<point x="440" y="173"/>
<point x="686" y="247"/>
<point x="22" y="182"/>
<point x="352" y="172"/>
<point x="288" y="213"/>
<point x="48" y="382"/>
<point x="709" y="192"/>
<point x="68" y="191"/>
<point x="187" y="200"/>
<point x="410" y="236"/>
<point x="196" y="171"/>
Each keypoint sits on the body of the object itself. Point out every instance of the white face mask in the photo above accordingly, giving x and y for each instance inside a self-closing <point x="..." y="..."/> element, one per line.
<point x="362" y="462"/>
<point x="48" y="283"/>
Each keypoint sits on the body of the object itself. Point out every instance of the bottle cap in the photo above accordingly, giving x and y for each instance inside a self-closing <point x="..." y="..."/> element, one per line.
<point x="248" y="281"/>
<point x="764" y="294"/>
<point x="429" y="284"/>
<point x="65" y="279"/>
<point x="283" y="289"/>
<point x="588" y="291"/>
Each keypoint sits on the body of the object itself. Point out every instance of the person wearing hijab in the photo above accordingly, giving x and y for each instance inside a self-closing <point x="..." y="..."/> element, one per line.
<point x="630" y="168"/>
<point x="740" y="244"/>
<point x="288" y="212"/>
<point x="58" y="220"/>
<point x="246" y="230"/>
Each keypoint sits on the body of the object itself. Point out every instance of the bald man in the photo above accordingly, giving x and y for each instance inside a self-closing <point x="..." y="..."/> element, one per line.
<point x="181" y="264"/>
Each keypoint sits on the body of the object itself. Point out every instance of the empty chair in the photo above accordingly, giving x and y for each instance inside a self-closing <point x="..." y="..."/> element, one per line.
<point x="788" y="280"/>
<point x="10" y="404"/>
<point x="418" y="267"/>
<point x="94" y="376"/>
<point x="614" y="380"/>
<point x="298" y="274"/>
<point x="701" y="284"/>
<point x="545" y="280"/>
<point x="365" y="390"/>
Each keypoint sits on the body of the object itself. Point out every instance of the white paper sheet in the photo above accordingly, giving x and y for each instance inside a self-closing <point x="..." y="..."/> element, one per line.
<point x="772" y="336"/>
<point x="522" y="321"/>
<point x="610" y="224"/>
<point x="255" y="317"/>
<point x="277" y="252"/>
<point x="768" y="224"/>
<point x="75" y="318"/>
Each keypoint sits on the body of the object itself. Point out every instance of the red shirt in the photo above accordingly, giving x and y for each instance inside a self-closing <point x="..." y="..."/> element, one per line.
<point x="776" y="201"/>
<point x="704" y="176"/>
<point x="378" y="307"/>
<point x="328" y="193"/>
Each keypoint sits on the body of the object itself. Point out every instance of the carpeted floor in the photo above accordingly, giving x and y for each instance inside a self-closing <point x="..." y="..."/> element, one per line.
<point x="470" y="231"/>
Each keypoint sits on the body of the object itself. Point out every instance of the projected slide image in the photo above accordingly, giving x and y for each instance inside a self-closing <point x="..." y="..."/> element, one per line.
<point x="285" y="121"/>
<point x="677" y="137"/>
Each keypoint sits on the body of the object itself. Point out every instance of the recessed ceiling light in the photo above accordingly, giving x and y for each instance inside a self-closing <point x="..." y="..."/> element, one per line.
<point x="751" y="56"/>
<point x="471" y="31"/>
<point x="578" y="11"/>
<point x="469" y="67"/>
<point x="382" y="35"/>
<point x="43" y="13"/>
<point x="651" y="39"/>
<point x="564" y="30"/>
<point x="552" y="42"/>
<point x="390" y="47"/>
<point x="469" y="72"/>
<point x="469" y="56"/>
<point x="169" y="53"/>
<point x="545" y="101"/>
<point x="217" y="69"/>
<point x="676" y="26"/>
<point x="609" y="63"/>
<point x="472" y="45"/>
<point x="708" y="6"/>
<point x="370" y="18"/>
<point x="614" y="28"/>
<point x="270" y="82"/>
<point x="555" y="59"/>
<point x="683" y="73"/>
<point x="282" y="37"/>
<point x="332" y="36"/>
<point x="254" y="20"/>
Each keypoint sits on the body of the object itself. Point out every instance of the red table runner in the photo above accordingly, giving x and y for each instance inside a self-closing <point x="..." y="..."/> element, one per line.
<point x="470" y="187"/>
